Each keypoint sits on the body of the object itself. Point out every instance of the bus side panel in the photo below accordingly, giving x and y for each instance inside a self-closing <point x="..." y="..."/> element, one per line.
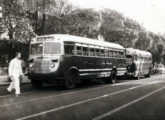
<point x="68" y="62"/>
<point x="120" y="64"/>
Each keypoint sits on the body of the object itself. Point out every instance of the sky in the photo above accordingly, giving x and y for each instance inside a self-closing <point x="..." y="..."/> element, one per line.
<point x="149" y="13"/>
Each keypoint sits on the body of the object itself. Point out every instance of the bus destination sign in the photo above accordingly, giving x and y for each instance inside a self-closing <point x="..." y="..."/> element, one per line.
<point x="43" y="39"/>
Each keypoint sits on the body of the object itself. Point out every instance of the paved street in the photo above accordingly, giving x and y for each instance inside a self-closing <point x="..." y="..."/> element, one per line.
<point x="142" y="99"/>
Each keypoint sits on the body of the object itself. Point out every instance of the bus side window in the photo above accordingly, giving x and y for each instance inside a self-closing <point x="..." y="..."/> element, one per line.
<point x="122" y="54"/>
<point x="110" y="53"/>
<point x="106" y="53"/>
<point x="118" y="54"/>
<point x="97" y="52"/>
<point x="85" y="51"/>
<point x="102" y="54"/>
<point x="114" y="54"/>
<point x="78" y="50"/>
<point x="91" y="52"/>
<point x="69" y="49"/>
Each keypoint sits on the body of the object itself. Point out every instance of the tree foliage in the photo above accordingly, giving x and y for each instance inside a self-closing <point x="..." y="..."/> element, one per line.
<point x="23" y="19"/>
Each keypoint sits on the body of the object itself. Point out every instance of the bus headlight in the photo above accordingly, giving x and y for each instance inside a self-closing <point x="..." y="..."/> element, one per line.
<point x="31" y="65"/>
<point x="52" y="65"/>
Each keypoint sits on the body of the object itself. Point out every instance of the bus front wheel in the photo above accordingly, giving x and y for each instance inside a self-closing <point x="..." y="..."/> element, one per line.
<point x="70" y="80"/>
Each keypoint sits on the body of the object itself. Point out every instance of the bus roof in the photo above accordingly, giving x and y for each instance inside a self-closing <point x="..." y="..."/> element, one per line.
<point x="131" y="51"/>
<point x="83" y="40"/>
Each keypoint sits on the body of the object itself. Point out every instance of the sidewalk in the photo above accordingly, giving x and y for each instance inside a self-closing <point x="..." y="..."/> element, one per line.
<point x="4" y="80"/>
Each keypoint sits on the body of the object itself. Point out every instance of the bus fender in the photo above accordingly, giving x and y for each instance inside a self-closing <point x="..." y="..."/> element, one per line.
<point x="73" y="68"/>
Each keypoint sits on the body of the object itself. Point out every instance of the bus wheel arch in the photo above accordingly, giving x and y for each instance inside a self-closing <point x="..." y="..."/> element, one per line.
<point x="71" y="78"/>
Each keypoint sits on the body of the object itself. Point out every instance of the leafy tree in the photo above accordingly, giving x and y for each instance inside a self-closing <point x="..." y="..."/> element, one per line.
<point x="79" y="22"/>
<point x="16" y="23"/>
<point x="41" y="11"/>
<point x="144" y="41"/>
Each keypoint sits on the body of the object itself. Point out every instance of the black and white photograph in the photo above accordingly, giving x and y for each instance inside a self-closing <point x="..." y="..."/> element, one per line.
<point x="82" y="60"/>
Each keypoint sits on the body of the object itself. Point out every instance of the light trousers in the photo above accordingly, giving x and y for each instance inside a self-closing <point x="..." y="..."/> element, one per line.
<point x="15" y="84"/>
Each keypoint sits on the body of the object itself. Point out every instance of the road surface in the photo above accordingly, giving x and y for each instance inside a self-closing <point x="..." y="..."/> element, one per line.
<point x="142" y="99"/>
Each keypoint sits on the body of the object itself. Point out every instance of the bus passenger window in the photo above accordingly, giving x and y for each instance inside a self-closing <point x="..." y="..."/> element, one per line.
<point x="69" y="49"/>
<point x="78" y="50"/>
<point x="118" y="54"/>
<point x="97" y="52"/>
<point x="110" y="53"/>
<point x="85" y="51"/>
<point x="102" y="53"/>
<point x="106" y="53"/>
<point x="122" y="54"/>
<point x="91" y="51"/>
<point x="114" y="54"/>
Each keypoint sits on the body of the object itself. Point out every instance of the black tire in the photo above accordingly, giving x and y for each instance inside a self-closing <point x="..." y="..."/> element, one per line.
<point x="70" y="80"/>
<point x="37" y="84"/>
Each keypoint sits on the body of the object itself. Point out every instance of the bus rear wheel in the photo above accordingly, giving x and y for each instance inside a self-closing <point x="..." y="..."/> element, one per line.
<point x="36" y="84"/>
<point x="70" y="80"/>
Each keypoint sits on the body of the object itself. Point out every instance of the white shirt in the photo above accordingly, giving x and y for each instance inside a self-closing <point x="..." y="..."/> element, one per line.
<point x="15" y="67"/>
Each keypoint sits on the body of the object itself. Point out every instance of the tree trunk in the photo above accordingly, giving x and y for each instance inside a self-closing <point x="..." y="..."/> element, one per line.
<point x="36" y="29"/>
<point x="43" y="23"/>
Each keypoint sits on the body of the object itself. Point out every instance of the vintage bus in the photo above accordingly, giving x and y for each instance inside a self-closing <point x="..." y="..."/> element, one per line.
<point x="139" y="63"/>
<point x="70" y="59"/>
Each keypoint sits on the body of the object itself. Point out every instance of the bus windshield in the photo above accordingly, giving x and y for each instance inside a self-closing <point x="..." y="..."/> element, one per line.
<point x="52" y="48"/>
<point x="36" y="48"/>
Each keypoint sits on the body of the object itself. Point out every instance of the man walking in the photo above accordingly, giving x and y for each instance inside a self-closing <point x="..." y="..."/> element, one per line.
<point x="15" y="73"/>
